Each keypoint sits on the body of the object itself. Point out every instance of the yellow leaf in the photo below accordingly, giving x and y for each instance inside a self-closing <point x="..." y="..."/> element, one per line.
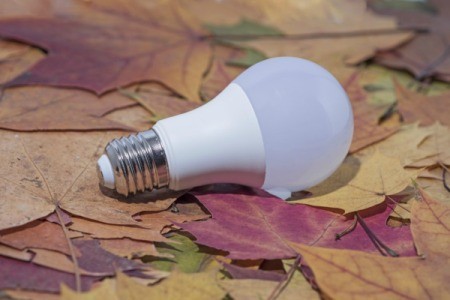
<point x="353" y="187"/>
<point x="178" y="285"/>
<point x="346" y="274"/>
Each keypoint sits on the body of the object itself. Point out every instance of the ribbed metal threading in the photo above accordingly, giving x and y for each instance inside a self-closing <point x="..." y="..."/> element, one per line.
<point x="139" y="163"/>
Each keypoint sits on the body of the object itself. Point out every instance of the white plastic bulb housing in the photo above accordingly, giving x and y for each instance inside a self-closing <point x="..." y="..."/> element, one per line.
<point x="285" y="124"/>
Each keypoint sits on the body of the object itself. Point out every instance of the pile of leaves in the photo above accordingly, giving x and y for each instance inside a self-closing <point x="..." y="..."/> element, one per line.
<point x="74" y="74"/>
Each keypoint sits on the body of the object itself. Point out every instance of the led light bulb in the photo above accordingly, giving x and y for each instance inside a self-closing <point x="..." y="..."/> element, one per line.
<point x="283" y="125"/>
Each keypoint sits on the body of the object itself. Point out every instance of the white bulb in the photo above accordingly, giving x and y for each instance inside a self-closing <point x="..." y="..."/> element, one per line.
<point x="284" y="125"/>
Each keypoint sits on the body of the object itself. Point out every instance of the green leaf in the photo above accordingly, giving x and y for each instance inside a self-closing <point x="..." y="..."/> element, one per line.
<point x="187" y="255"/>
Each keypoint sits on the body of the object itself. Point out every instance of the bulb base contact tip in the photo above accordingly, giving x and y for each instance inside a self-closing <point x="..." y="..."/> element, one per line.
<point x="134" y="164"/>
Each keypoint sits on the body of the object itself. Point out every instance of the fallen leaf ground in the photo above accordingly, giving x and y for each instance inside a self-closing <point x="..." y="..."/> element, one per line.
<point x="74" y="74"/>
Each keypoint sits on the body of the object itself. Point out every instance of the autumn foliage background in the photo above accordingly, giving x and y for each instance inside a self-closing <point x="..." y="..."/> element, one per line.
<point x="76" y="73"/>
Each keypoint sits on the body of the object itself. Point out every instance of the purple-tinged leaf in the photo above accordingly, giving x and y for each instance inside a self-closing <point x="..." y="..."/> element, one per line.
<point x="16" y="274"/>
<point x="252" y="224"/>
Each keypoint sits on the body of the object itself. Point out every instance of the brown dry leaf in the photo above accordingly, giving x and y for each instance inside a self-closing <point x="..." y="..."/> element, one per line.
<point x="130" y="248"/>
<point x="158" y="102"/>
<point x="434" y="186"/>
<point x="44" y="170"/>
<point x="45" y="108"/>
<point x="367" y="130"/>
<point x="424" y="109"/>
<point x="345" y="274"/>
<point x="14" y="253"/>
<point x="435" y="149"/>
<point x="107" y="231"/>
<point x="42" y="235"/>
<point x="431" y="230"/>
<point x="428" y="55"/>
<point x="355" y="187"/>
<point x="16" y="58"/>
<point x="101" y="45"/>
<point x="159" y="220"/>
<point x="46" y="258"/>
<point x="340" y="57"/>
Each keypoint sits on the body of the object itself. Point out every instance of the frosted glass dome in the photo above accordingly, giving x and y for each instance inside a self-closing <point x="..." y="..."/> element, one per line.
<point x="305" y="119"/>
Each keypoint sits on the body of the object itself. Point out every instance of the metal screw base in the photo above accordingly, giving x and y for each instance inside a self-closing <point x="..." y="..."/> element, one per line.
<point x="139" y="163"/>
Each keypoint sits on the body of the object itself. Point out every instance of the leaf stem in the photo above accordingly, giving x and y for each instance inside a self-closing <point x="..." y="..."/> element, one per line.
<point x="72" y="251"/>
<point x="282" y="284"/>
<point x="348" y="229"/>
<point x="379" y="244"/>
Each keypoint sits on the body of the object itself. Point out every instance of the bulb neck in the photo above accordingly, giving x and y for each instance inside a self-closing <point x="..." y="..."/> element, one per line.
<point x="139" y="163"/>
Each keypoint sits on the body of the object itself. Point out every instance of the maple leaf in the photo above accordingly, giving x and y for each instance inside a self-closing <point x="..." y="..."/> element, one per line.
<point x="435" y="150"/>
<point x="108" y="44"/>
<point x="403" y="145"/>
<point x="360" y="185"/>
<point x="340" y="59"/>
<point x="427" y="55"/>
<point x="273" y="224"/>
<point x="431" y="230"/>
<point x="353" y="274"/>
<point x="158" y="102"/>
<point x="293" y="17"/>
<point x="48" y="170"/>
<point x="434" y="185"/>
<point x="44" y="109"/>
<point x="418" y="107"/>
<point x="176" y="286"/>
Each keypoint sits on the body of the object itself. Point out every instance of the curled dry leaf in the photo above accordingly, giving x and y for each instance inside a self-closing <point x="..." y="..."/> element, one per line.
<point x="103" y="45"/>
<point x="45" y="109"/>
<point x="46" y="170"/>
<point x="427" y="55"/>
